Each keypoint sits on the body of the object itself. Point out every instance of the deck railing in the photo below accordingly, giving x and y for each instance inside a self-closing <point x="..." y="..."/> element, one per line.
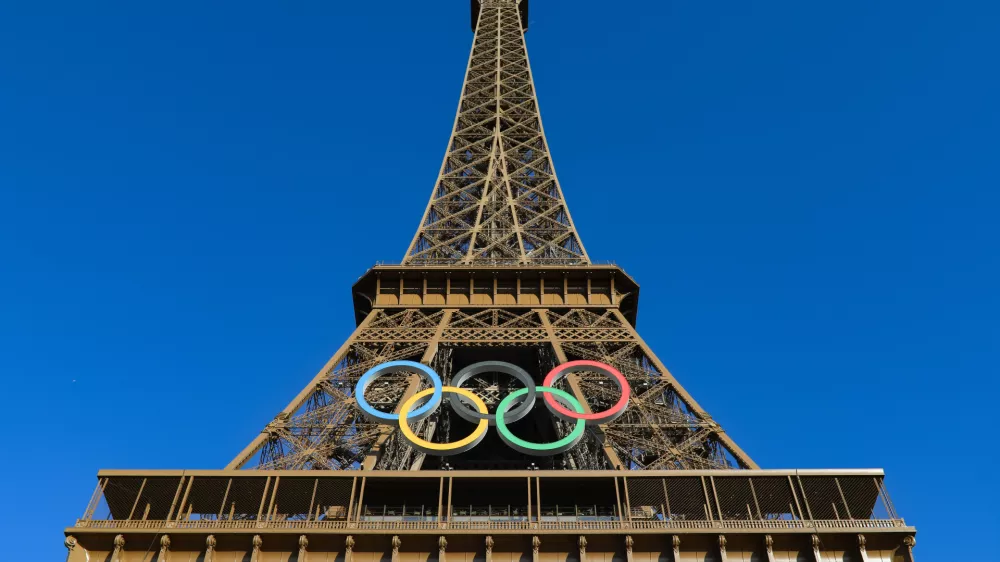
<point x="160" y="525"/>
<point x="601" y="501"/>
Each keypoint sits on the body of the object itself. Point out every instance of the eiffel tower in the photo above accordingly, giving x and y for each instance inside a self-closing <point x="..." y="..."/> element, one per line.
<point x="495" y="290"/>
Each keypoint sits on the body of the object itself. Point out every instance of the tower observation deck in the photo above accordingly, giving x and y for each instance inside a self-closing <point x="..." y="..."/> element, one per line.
<point x="495" y="402"/>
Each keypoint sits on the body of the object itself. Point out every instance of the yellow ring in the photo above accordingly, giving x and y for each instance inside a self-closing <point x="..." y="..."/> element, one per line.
<point x="427" y="446"/>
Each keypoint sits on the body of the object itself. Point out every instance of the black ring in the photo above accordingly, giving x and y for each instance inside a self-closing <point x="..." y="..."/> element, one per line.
<point x="458" y="403"/>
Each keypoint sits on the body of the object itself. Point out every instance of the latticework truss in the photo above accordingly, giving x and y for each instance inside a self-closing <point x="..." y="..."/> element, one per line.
<point x="323" y="428"/>
<point x="497" y="199"/>
<point x="495" y="292"/>
<point x="497" y="203"/>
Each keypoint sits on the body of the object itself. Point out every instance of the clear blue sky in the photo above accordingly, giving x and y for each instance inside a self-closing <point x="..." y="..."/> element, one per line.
<point x="806" y="191"/>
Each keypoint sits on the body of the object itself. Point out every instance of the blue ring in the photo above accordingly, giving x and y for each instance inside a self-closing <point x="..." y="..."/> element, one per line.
<point x="379" y="416"/>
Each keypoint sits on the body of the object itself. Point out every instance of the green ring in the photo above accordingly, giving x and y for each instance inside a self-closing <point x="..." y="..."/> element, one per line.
<point x="527" y="447"/>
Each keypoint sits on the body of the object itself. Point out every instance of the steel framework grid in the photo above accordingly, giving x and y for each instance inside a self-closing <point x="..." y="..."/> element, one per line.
<point x="497" y="202"/>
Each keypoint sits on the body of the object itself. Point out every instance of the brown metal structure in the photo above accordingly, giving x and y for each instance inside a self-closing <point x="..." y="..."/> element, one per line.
<point x="497" y="200"/>
<point x="446" y="316"/>
<point x="495" y="271"/>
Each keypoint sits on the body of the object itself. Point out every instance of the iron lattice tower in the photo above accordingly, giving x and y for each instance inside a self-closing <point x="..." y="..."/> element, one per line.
<point x="496" y="263"/>
<point x="497" y="199"/>
<point x="495" y="272"/>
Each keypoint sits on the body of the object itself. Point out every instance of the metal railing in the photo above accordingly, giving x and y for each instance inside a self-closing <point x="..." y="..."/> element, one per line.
<point x="493" y="525"/>
<point x="750" y="500"/>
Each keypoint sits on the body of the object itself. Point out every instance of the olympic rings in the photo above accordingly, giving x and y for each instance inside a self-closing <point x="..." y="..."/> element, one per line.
<point x="378" y="416"/>
<point x="596" y="418"/>
<point x="461" y="399"/>
<point x="458" y="404"/>
<point x="528" y="447"/>
<point x="444" y="449"/>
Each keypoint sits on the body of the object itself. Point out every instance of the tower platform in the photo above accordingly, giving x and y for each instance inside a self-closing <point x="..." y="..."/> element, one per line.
<point x="513" y="516"/>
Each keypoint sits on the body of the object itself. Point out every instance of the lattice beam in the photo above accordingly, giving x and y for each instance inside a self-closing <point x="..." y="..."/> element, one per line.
<point x="497" y="199"/>
<point x="664" y="428"/>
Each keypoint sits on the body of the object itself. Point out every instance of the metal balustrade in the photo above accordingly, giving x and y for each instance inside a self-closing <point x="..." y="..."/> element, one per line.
<point x="650" y="501"/>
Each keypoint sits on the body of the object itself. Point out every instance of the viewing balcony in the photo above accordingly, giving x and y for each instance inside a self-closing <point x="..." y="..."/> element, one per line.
<point x="796" y="501"/>
<point x="491" y="516"/>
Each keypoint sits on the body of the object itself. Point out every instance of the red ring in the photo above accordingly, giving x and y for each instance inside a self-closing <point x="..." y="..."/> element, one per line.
<point x="601" y="417"/>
